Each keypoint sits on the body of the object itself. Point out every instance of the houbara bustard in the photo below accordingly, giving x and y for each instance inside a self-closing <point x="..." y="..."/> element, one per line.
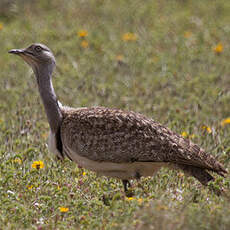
<point x="112" y="142"/>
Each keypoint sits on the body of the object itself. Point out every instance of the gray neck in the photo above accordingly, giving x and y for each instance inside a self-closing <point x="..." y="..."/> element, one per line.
<point x="49" y="99"/>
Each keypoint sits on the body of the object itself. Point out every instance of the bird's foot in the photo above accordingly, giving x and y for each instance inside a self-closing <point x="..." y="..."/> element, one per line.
<point x="125" y="184"/>
<point x="128" y="192"/>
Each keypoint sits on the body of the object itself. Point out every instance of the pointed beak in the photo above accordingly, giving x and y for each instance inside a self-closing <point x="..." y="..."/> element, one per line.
<point x="26" y="55"/>
<point x="16" y="51"/>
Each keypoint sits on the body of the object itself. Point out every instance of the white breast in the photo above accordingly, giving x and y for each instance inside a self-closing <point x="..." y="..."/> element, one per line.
<point x="124" y="171"/>
<point x="52" y="145"/>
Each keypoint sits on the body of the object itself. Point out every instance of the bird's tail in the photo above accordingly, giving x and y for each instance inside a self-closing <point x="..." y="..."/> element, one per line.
<point x="215" y="165"/>
<point x="200" y="174"/>
<point x="195" y="156"/>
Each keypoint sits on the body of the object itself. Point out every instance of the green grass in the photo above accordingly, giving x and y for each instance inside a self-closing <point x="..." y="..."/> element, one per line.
<point x="176" y="79"/>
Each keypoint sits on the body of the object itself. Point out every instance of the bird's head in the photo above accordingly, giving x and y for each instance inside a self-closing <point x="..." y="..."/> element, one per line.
<point x="38" y="56"/>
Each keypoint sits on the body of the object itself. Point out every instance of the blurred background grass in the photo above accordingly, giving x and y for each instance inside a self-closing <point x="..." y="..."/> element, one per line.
<point x="166" y="59"/>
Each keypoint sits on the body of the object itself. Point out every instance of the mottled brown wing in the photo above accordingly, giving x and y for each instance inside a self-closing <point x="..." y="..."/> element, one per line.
<point x="111" y="135"/>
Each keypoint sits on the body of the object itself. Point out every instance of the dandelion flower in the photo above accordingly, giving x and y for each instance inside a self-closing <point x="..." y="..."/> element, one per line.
<point x="63" y="209"/>
<point x="187" y="34"/>
<point x="38" y="165"/>
<point x="130" y="198"/>
<point x="84" y="173"/>
<point x="82" y="33"/>
<point x="29" y="187"/>
<point x="225" y="121"/>
<point x="184" y="134"/>
<point x="1" y="26"/>
<point x="129" y="37"/>
<point x="84" y="44"/>
<point x="207" y="129"/>
<point x="140" y="200"/>
<point x="218" y="48"/>
<point x="119" y="57"/>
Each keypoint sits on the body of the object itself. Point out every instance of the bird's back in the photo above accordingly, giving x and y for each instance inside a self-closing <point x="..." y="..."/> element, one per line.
<point x="112" y="135"/>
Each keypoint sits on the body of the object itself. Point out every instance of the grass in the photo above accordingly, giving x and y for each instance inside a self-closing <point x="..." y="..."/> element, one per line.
<point x="170" y="70"/>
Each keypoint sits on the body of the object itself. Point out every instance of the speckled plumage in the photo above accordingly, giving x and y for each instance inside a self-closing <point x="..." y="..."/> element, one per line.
<point x="112" y="135"/>
<point x="113" y="142"/>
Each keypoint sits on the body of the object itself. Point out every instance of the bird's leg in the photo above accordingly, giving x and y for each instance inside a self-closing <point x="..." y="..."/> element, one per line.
<point x="128" y="193"/>
<point x="125" y="183"/>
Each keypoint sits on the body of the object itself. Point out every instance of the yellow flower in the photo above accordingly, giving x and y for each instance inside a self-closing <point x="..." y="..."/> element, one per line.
<point x="119" y="57"/>
<point x="82" y="33"/>
<point x="29" y="187"/>
<point x="63" y="209"/>
<point x="187" y="34"/>
<point x="130" y="198"/>
<point x="1" y="26"/>
<point x="140" y="200"/>
<point x="129" y="37"/>
<point x="184" y="134"/>
<point x="17" y="160"/>
<point x="38" y="165"/>
<point x="207" y="129"/>
<point x="218" y="48"/>
<point x="225" y="121"/>
<point x="84" y="44"/>
<point x="84" y="173"/>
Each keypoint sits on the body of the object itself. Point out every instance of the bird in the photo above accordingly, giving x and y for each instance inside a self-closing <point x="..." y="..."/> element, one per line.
<point x="112" y="142"/>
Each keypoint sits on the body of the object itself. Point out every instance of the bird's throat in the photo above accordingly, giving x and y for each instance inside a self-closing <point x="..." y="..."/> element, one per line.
<point x="49" y="98"/>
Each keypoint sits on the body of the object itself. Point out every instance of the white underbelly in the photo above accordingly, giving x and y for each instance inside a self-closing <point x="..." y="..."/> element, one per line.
<point x="52" y="145"/>
<point x="118" y="170"/>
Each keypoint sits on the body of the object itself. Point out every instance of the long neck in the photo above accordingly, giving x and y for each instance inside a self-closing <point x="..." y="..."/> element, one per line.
<point x="49" y="98"/>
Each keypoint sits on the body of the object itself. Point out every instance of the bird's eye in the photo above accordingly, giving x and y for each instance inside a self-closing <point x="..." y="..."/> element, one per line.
<point x="38" y="48"/>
